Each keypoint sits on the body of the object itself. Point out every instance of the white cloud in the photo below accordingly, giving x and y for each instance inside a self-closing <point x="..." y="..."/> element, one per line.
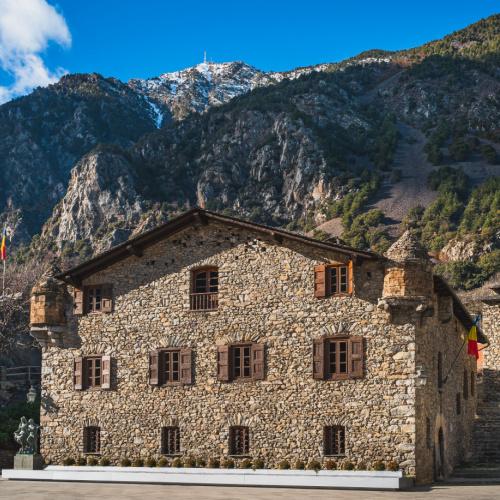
<point x="26" y="28"/>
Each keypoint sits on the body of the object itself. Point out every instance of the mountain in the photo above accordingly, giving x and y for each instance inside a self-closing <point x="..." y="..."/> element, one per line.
<point x="352" y="149"/>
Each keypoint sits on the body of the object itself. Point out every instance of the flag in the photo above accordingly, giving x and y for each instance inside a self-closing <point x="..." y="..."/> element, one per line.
<point x="3" y="246"/>
<point x="472" y="340"/>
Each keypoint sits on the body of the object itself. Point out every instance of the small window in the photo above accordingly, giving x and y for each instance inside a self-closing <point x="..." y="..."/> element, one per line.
<point x="91" y="439"/>
<point x="458" y="404"/>
<point x="93" y="372"/>
<point x="337" y="280"/>
<point x="240" y="362"/>
<point x="98" y="298"/>
<point x="466" y="386"/>
<point x="334" y="440"/>
<point x="239" y="440"/>
<point x="170" y="440"/>
<point x="336" y="358"/>
<point x="242" y="366"/>
<point x="428" y="437"/>
<point x="94" y="299"/>
<point x="204" y="289"/>
<point x="170" y="370"/>
<point x="472" y="384"/>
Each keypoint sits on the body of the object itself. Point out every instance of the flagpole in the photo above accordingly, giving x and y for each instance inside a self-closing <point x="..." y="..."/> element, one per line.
<point x="3" y="279"/>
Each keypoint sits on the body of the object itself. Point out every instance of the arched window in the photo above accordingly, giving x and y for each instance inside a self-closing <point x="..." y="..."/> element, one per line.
<point x="472" y="383"/>
<point x="428" y="438"/>
<point x="466" y="386"/>
<point x="204" y="289"/>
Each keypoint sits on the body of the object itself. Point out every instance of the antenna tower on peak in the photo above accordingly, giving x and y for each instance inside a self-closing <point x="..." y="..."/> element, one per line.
<point x="204" y="57"/>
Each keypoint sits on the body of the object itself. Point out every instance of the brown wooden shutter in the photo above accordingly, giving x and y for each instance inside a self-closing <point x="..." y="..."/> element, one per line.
<point x="319" y="359"/>
<point x="78" y="374"/>
<point x="223" y="363"/>
<point x="186" y="366"/>
<point x="107" y="298"/>
<point x="320" y="281"/>
<point x="153" y="367"/>
<point x="350" y="277"/>
<point x="77" y="301"/>
<point x="258" y="361"/>
<point x="106" y="372"/>
<point x="356" y="356"/>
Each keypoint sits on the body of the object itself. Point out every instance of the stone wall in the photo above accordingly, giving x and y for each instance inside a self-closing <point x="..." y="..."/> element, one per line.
<point x="265" y="294"/>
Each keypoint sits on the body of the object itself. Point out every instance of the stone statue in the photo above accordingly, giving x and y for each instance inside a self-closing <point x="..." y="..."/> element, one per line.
<point x="27" y="436"/>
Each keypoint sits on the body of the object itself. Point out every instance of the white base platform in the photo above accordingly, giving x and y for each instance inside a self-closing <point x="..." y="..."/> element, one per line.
<point x="227" y="477"/>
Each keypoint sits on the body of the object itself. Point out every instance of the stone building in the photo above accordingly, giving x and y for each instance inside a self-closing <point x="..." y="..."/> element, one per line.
<point x="212" y="337"/>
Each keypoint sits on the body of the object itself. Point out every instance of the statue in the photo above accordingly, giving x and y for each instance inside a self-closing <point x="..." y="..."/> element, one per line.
<point x="27" y="436"/>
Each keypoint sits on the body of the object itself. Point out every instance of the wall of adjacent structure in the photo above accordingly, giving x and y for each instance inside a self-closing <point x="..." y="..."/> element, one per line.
<point x="442" y="332"/>
<point x="266" y="293"/>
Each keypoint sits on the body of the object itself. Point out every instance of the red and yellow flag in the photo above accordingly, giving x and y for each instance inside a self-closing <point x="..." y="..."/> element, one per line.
<point x="472" y="342"/>
<point x="3" y="246"/>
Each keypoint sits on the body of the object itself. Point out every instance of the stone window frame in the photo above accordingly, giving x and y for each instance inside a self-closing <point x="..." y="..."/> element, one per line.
<point x="323" y="280"/>
<point x="91" y="440"/>
<point x="355" y="354"/>
<point x="157" y="375"/>
<point x="80" y="374"/>
<point x="334" y="437"/>
<point x="225" y="362"/>
<point x="166" y="440"/>
<point x="207" y="300"/>
<point x="239" y="441"/>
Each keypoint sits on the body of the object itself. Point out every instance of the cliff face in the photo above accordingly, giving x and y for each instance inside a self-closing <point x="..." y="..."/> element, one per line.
<point x="314" y="146"/>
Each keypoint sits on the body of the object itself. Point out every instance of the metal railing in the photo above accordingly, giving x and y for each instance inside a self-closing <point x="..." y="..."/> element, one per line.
<point x="203" y="301"/>
<point x="28" y="375"/>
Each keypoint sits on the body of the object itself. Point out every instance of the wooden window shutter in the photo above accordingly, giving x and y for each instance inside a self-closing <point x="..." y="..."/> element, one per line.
<point x="223" y="363"/>
<point x="77" y="301"/>
<point x="107" y="298"/>
<point x="186" y="356"/>
<point x="106" y="372"/>
<point x="350" y="277"/>
<point x="258" y="361"/>
<point x="153" y="367"/>
<point x="78" y="374"/>
<point x="319" y="359"/>
<point x="356" y="357"/>
<point x="320" y="281"/>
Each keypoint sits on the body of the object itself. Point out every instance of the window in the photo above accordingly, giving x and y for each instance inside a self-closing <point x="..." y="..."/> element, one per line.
<point x="334" y="440"/>
<point x="92" y="372"/>
<point x="428" y="438"/>
<point x="337" y="358"/>
<point x="170" y="366"/>
<point x="170" y="440"/>
<point x="332" y="280"/>
<point x="440" y="370"/>
<point x="93" y="299"/>
<point x="239" y="440"/>
<point x="204" y="289"/>
<point x="466" y="386"/>
<point x="91" y="439"/>
<point x="472" y="384"/>
<point x="240" y="362"/>
<point x="459" y="404"/>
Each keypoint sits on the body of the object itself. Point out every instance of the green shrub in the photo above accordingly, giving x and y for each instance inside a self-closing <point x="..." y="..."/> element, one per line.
<point x="284" y="465"/>
<point x="125" y="462"/>
<point x="104" y="462"/>
<point x="213" y="463"/>
<point x="361" y="466"/>
<point x="162" y="462"/>
<point x="189" y="462"/>
<point x="201" y="462"/>
<point x="246" y="464"/>
<point x="378" y="465"/>
<point x="314" y="465"/>
<point x="68" y="461"/>
<point x="151" y="462"/>
<point x="92" y="461"/>
<point x="348" y="465"/>
<point x="81" y="461"/>
<point x="299" y="465"/>
<point x="228" y="463"/>
<point x="393" y="466"/>
<point x="330" y="465"/>
<point x="177" y="462"/>
<point x="138" y="462"/>
<point x="258" y="463"/>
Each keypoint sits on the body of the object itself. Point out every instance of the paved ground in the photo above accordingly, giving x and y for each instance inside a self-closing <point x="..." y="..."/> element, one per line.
<point x="27" y="490"/>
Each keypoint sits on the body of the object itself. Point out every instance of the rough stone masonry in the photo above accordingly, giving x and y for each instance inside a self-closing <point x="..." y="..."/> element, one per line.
<point x="266" y="294"/>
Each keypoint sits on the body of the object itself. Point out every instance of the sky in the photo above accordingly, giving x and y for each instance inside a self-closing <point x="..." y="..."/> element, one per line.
<point x="40" y="40"/>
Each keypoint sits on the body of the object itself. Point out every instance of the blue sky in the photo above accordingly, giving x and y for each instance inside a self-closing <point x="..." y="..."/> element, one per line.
<point x="142" y="38"/>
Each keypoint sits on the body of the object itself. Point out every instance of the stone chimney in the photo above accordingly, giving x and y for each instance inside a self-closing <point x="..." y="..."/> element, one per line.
<point x="408" y="271"/>
<point x="49" y="301"/>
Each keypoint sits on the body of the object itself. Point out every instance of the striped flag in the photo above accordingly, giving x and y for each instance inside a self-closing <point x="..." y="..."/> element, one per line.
<point x="472" y="340"/>
<point x="3" y="246"/>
